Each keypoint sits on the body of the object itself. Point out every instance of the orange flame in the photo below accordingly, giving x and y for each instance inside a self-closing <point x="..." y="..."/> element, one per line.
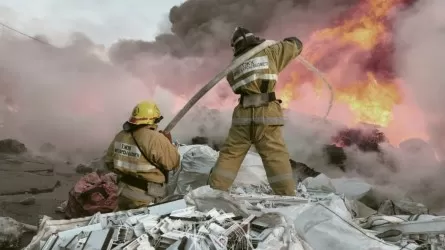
<point x="287" y="93"/>
<point x="341" y="53"/>
<point x="370" y="101"/>
<point x="367" y="30"/>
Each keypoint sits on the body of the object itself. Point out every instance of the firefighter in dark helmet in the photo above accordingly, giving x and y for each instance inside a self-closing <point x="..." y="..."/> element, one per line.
<point x="258" y="118"/>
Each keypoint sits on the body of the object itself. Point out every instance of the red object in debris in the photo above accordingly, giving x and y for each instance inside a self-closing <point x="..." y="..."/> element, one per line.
<point x="92" y="193"/>
<point x="365" y="139"/>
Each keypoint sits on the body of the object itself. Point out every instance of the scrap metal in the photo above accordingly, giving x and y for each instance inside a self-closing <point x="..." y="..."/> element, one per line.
<point x="176" y="225"/>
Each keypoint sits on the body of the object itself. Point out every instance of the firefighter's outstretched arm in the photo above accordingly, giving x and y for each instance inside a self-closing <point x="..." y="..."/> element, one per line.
<point x="285" y="51"/>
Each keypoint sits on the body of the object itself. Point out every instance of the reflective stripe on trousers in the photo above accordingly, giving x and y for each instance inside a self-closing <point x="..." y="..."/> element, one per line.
<point x="258" y="120"/>
<point x="252" y="78"/>
<point x="280" y="178"/>
<point x="134" y="193"/>
<point x="272" y="179"/>
<point x="133" y="167"/>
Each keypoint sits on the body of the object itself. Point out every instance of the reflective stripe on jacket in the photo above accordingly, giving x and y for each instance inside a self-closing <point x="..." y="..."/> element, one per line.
<point x="258" y="75"/>
<point x="124" y="156"/>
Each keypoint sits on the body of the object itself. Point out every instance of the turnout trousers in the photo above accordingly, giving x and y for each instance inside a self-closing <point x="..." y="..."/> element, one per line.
<point x="270" y="145"/>
<point x="132" y="197"/>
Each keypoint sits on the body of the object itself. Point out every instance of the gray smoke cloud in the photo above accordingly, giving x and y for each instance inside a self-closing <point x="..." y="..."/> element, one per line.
<point x="420" y="35"/>
<point x="62" y="95"/>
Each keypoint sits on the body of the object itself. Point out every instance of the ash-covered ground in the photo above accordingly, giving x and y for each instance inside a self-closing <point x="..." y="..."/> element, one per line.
<point x="33" y="183"/>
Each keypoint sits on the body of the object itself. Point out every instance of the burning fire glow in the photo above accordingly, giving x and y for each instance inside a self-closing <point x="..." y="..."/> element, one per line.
<point x="371" y="102"/>
<point x="355" y="56"/>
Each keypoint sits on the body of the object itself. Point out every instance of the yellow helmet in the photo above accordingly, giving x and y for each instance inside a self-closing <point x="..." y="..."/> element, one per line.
<point x="145" y="112"/>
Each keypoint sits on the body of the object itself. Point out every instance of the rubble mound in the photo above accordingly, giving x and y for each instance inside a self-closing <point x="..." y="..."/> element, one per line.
<point x="11" y="231"/>
<point x="11" y="146"/>
<point x="200" y="140"/>
<point x="316" y="218"/>
<point x="214" y="143"/>
<point x="326" y="213"/>
<point x="97" y="163"/>
<point x="336" y="155"/>
<point x="365" y="139"/>
<point x="83" y="169"/>
<point x="302" y="171"/>
<point x="418" y="146"/>
<point x="47" y="148"/>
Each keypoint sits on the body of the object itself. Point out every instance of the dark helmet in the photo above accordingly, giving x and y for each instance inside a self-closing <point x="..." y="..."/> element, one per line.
<point x="242" y="38"/>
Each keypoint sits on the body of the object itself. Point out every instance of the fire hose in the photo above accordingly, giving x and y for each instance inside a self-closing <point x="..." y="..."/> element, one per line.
<point x="312" y="68"/>
<point x="236" y="63"/>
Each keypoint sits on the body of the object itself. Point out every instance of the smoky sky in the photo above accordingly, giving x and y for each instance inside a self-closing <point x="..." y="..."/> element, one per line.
<point x="205" y="26"/>
<point x="201" y="30"/>
<point x="70" y="89"/>
<point x="196" y="47"/>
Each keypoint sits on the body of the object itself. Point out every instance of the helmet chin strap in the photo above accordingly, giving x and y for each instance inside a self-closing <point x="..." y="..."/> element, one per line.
<point x="232" y="42"/>
<point x="158" y="120"/>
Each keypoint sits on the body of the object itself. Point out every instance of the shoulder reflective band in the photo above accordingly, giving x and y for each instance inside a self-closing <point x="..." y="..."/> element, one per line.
<point x="254" y="77"/>
<point x="127" y="150"/>
<point x="235" y="63"/>
<point x="256" y="63"/>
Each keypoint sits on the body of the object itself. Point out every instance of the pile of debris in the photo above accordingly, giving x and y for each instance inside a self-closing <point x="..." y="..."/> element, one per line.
<point x="247" y="218"/>
<point x="11" y="231"/>
<point x="11" y="146"/>
<point x="335" y="214"/>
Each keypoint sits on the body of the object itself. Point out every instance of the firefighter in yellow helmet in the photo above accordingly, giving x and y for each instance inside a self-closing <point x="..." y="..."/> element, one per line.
<point x="142" y="158"/>
<point x="258" y="117"/>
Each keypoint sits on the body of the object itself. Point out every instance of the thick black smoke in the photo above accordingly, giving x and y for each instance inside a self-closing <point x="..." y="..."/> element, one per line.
<point x="198" y="45"/>
<point x="204" y="26"/>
